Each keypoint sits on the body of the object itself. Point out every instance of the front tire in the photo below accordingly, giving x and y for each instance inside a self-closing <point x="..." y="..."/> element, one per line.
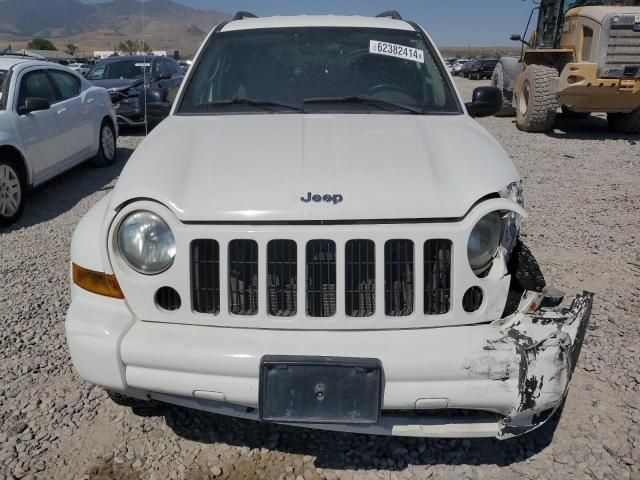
<point x="497" y="80"/>
<point x="12" y="193"/>
<point x="107" y="150"/>
<point x="628" y="123"/>
<point x="537" y="99"/>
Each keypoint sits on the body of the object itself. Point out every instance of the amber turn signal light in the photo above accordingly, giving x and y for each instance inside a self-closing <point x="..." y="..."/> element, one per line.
<point x="96" y="282"/>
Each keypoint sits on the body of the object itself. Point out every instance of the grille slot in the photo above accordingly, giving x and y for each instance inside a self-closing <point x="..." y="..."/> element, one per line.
<point x="398" y="278"/>
<point x="437" y="277"/>
<point x="205" y="276"/>
<point x="321" y="278"/>
<point x="360" y="278"/>
<point x="282" y="265"/>
<point x="243" y="277"/>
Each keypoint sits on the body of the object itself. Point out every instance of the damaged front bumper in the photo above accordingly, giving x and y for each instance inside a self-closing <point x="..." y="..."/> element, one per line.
<point x="540" y="345"/>
<point x="499" y="379"/>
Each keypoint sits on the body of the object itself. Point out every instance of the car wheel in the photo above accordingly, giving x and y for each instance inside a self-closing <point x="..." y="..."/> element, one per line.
<point x="107" y="151"/>
<point x="12" y="193"/>
<point x="537" y="99"/>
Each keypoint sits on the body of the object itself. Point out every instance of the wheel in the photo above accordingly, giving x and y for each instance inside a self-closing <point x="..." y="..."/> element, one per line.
<point x="537" y="99"/>
<point x="107" y="150"/>
<point x="497" y="80"/>
<point x="125" y="401"/>
<point x="568" y="113"/>
<point x="625" y="122"/>
<point x="12" y="193"/>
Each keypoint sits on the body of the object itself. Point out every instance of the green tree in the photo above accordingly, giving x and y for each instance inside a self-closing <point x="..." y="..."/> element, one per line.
<point x="71" y="49"/>
<point x="132" y="47"/>
<point x="41" y="44"/>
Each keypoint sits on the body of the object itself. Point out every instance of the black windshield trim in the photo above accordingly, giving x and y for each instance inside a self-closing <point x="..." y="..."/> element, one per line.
<point x="446" y="77"/>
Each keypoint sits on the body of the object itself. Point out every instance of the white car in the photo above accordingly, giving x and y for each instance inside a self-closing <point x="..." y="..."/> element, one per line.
<point x="81" y="68"/>
<point x="457" y="66"/>
<point x="321" y="235"/>
<point x="51" y="119"/>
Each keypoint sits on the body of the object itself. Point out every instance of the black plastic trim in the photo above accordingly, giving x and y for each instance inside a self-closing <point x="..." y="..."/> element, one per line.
<point x="394" y="14"/>
<point x="241" y="15"/>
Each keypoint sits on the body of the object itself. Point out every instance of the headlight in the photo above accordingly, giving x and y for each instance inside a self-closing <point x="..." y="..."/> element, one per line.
<point x="146" y="243"/>
<point x="484" y="242"/>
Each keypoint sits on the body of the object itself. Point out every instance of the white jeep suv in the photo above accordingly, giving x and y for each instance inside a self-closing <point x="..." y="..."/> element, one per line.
<point x="321" y="235"/>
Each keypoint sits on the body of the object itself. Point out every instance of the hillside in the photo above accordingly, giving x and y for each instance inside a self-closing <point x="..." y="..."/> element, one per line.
<point x="101" y="26"/>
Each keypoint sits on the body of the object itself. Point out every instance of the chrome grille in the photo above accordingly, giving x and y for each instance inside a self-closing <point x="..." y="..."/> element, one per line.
<point x="282" y="285"/>
<point x="360" y="278"/>
<point x="205" y="276"/>
<point x="321" y="278"/>
<point x="437" y="277"/>
<point x="243" y="277"/>
<point x="398" y="278"/>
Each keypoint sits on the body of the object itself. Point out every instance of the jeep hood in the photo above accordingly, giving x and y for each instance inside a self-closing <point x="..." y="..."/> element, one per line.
<point x="252" y="168"/>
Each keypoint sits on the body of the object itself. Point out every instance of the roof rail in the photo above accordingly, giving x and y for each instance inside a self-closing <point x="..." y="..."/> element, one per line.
<point x="242" y="14"/>
<point x="390" y="14"/>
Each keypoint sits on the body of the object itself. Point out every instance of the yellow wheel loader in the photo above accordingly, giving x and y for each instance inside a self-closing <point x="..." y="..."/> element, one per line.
<point x="583" y="57"/>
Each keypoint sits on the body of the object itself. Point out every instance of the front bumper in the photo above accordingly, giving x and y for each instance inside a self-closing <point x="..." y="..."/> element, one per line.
<point x="513" y="372"/>
<point x="589" y="93"/>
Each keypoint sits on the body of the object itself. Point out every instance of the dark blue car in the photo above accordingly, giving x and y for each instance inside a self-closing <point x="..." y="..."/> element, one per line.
<point x="132" y="79"/>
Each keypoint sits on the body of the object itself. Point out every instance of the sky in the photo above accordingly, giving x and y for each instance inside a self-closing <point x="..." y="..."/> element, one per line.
<point x="450" y="22"/>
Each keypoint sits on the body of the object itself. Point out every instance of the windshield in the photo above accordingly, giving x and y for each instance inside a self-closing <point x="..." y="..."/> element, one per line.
<point x="321" y="69"/>
<point x="120" y="70"/>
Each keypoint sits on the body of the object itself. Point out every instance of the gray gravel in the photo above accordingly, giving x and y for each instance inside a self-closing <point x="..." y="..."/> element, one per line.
<point x="582" y="190"/>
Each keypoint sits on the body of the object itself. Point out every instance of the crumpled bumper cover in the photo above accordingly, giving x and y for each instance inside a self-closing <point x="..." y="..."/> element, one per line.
<point x="540" y="346"/>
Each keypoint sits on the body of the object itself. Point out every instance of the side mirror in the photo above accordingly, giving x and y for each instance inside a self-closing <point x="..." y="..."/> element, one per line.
<point x="516" y="38"/>
<point x="32" y="104"/>
<point x="486" y="101"/>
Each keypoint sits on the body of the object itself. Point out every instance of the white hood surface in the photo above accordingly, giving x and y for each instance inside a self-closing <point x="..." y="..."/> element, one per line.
<point x="255" y="168"/>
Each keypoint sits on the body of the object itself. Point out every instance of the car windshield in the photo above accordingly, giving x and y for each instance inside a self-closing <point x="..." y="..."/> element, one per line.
<point x="320" y="70"/>
<point x="120" y="70"/>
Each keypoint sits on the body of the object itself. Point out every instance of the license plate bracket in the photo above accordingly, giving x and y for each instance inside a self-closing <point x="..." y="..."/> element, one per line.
<point x="301" y="389"/>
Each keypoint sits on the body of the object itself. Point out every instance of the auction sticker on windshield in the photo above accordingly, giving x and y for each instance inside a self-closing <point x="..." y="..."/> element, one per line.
<point x="394" y="50"/>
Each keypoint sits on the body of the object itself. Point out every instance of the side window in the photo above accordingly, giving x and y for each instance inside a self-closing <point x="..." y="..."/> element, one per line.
<point x="67" y="83"/>
<point x="37" y="85"/>
<point x="165" y="67"/>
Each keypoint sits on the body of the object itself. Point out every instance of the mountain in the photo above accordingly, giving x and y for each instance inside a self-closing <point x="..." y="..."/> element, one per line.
<point x="101" y="26"/>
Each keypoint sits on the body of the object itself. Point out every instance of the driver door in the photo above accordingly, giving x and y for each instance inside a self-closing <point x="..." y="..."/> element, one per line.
<point x="39" y="131"/>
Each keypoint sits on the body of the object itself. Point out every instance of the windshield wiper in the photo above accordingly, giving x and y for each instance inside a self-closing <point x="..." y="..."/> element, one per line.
<point x="377" y="102"/>
<point x="264" y="104"/>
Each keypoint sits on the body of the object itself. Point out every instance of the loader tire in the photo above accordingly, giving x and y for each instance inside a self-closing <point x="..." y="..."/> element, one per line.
<point x="537" y="99"/>
<point x="524" y="267"/>
<point x="497" y="80"/>
<point x="628" y="123"/>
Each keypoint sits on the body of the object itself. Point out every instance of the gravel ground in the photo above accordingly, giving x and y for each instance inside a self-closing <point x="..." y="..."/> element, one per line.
<point x="583" y="193"/>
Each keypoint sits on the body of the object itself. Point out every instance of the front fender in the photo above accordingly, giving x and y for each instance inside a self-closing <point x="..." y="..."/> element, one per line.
<point x="89" y="244"/>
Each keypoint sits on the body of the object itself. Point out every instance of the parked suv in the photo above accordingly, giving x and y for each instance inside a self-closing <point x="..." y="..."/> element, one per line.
<point x="130" y="80"/>
<point x="320" y="234"/>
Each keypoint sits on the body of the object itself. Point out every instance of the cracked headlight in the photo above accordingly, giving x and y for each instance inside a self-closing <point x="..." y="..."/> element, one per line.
<point x="484" y="242"/>
<point x="146" y="243"/>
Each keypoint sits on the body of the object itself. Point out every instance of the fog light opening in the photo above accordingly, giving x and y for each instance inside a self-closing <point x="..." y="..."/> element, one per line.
<point x="168" y="299"/>
<point x="472" y="300"/>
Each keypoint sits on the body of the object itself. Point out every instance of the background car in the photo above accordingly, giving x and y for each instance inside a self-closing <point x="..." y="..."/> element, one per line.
<point x="51" y="119"/>
<point x="81" y="68"/>
<point x="457" y="65"/>
<point x="132" y="78"/>
<point x="482" y="69"/>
